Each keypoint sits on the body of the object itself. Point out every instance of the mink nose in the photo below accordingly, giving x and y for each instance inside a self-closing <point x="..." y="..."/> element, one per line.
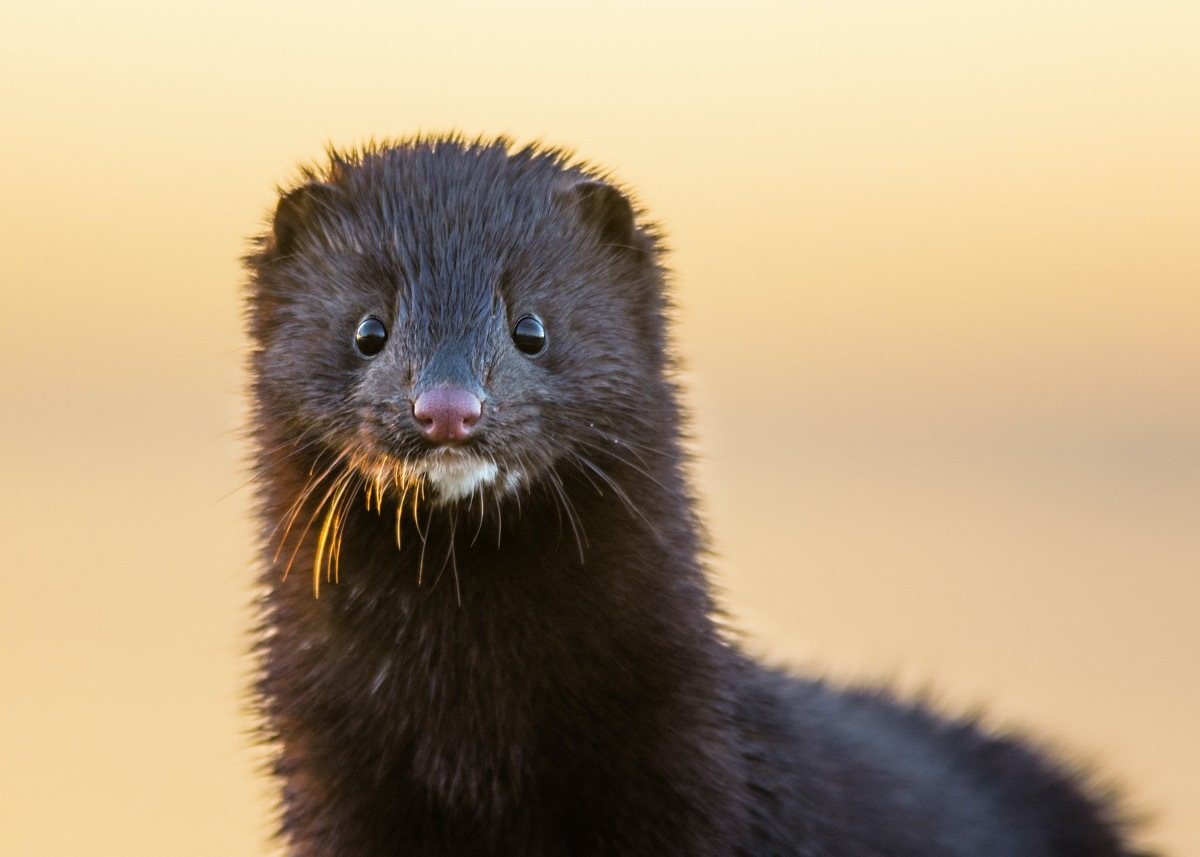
<point x="447" y="414"/>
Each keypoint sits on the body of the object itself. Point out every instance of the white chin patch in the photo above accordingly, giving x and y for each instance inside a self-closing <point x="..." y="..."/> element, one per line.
<point x="457" y="476"/>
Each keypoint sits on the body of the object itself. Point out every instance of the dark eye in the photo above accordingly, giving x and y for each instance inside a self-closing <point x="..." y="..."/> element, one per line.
<point x="529" y="335"/>
<point x="370" y="337"/>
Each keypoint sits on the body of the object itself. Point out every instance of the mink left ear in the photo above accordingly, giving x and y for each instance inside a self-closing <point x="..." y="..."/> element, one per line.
<point x="296" y="215"/>
<point x="608" y="212"/>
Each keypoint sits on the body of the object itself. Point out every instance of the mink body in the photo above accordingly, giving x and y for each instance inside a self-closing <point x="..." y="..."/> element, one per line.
<point x="512" y="648"/>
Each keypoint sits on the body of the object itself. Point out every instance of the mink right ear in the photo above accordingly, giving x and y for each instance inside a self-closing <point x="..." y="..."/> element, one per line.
<point x="295" y="215"/>
<point x="606" y="210"/>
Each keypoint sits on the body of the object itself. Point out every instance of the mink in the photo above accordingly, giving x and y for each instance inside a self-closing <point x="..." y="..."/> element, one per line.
<point x="486" y="626"/>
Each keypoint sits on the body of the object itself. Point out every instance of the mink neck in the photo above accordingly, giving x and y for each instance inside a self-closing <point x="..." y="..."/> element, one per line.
<point x="540" y="683"/>
<point x="546" y="617"/>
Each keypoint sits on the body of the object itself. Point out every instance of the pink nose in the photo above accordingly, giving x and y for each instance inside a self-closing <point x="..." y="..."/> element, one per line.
<point x="447" y="414"/>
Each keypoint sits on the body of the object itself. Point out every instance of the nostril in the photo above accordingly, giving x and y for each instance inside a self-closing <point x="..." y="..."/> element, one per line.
<point x="447" y="414"/>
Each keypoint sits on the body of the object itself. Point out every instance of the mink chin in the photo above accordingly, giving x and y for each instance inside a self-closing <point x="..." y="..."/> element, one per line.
<point x="467" y="431"/>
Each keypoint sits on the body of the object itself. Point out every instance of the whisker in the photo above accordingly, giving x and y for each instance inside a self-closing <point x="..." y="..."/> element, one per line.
<point x="499" y="519"/>
<point x="620" y="492"/>
<point x="322" y="539"/>
<point x="399" y="516"/>
<point x="424" y="542"/>
<point x="610" y="438"/>
<point x="405" y="486"/>
<point x="295" y="508"/>
<point x="259" y="476"/>
<point x="339" y="530"/>
<point x="450" y="559"/>
<point x="568" y="507"/>
<point x="418" y="495"/>
<point x="454" y="569"/>
<point x="311" y="519"/>
<point x="479" y="490"/>
<point x="640" y="470"/>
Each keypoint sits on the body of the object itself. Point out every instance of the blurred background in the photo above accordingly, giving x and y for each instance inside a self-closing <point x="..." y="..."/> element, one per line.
<point x="938" y="275"/>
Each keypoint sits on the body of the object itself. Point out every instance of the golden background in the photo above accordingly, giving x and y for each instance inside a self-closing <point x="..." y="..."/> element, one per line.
<point x="938" y="267"/>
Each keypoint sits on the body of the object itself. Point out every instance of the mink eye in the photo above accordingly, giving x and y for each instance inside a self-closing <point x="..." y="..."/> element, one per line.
<point x="370" y="337"/>
<point x="529" y="335"/>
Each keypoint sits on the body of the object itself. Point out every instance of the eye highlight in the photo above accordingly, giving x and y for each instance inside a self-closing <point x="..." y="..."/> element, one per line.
<point x="370" y="337"/>
<point x="529" y="335"/>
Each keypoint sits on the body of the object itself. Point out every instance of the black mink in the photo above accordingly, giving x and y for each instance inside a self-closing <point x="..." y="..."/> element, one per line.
<point x="486" y="624"/>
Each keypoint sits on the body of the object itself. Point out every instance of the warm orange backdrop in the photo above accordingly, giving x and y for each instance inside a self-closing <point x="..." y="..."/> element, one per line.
<point x="939" y="273"/>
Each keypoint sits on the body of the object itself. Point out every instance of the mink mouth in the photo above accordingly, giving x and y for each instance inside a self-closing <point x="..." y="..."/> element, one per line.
<point x="391" y="485"/>
<point x="443" y="474"/>
<point x="456" y="473"/>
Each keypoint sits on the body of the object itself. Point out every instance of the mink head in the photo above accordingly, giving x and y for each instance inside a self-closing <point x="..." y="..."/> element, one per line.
<point x="458" y="319"/>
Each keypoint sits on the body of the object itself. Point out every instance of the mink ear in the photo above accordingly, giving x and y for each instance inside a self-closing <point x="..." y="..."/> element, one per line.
<point x="294" y="215"/>
<point x="608" y="212"/>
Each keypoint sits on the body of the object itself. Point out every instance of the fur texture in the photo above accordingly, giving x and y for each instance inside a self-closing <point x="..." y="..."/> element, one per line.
<point x="511" y="649"/>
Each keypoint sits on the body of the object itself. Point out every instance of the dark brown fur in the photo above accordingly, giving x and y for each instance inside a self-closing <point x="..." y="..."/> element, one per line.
<point x="535" y="669"/>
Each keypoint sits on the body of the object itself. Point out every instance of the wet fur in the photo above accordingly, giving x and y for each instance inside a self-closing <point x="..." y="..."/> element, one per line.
<point x="536" y="669"/>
